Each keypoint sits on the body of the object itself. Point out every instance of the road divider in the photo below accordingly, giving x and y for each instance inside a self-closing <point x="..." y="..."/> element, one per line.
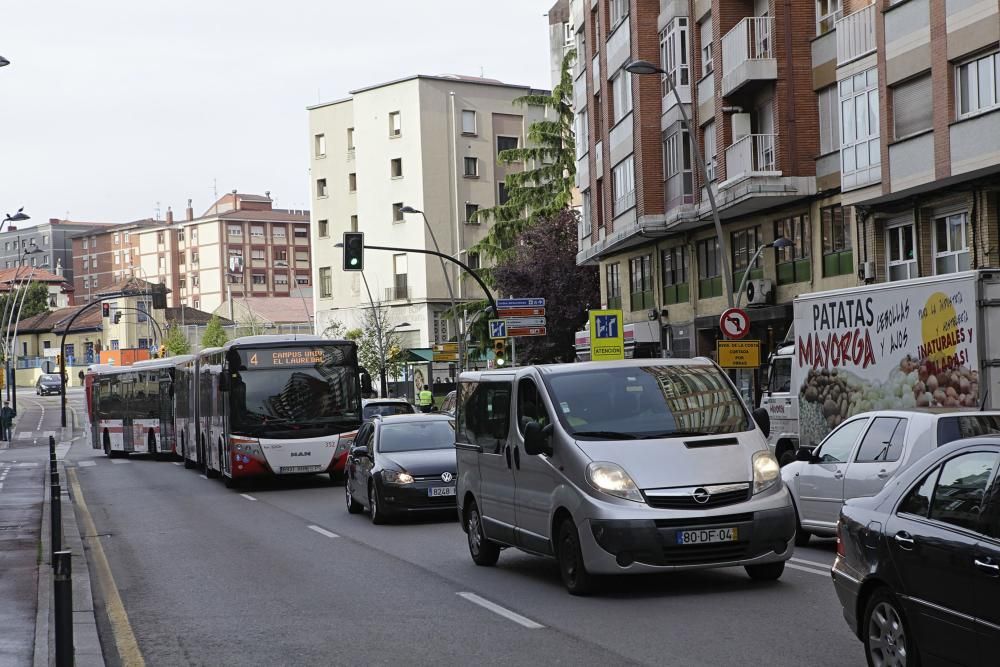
<point x="501" y="611"/>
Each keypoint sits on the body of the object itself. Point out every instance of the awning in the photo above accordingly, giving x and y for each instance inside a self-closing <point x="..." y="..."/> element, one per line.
<point x="420" y="355"/>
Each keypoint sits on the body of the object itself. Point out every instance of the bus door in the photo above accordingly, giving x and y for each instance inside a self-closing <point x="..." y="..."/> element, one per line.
<point x="168" y="439"/>
<point x="143" y="413"/>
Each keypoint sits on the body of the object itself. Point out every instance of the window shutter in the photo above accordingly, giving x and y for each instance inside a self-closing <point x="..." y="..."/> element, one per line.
<point x="911" y="107"/>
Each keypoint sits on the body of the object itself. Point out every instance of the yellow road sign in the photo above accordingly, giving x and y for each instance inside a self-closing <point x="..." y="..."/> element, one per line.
<point x="607" y="335"/>
<point x="738" y="353"/>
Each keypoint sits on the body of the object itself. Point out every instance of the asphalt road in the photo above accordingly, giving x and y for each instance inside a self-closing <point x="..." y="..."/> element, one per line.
<point x="281" y="574"/>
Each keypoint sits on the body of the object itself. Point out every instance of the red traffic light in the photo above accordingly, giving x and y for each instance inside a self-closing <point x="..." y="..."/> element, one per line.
<point x="106" y="310"/>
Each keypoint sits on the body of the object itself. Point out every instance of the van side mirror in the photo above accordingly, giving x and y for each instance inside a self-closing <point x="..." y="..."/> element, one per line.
<point x="763" y="420"/>
<point x="537" y="439"/>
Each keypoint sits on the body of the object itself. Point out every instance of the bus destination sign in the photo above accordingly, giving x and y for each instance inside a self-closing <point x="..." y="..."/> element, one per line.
<point x="284" y="358"/>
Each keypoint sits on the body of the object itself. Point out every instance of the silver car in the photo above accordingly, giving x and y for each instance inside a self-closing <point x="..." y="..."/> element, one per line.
<point x="619" y="467"/>
<point x="859" y="456"/>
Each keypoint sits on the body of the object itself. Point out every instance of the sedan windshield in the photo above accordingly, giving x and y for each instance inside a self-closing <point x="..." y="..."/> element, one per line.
<point x="410" y="436"/>
<point x="50" y="378"/>
<point x="388" y="408"/>
<point x="647" y="402"/>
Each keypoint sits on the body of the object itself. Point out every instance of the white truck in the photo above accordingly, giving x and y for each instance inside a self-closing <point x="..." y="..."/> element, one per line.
<point x="924" y="343"/>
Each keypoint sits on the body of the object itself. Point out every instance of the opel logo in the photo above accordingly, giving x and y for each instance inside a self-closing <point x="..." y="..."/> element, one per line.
<point x="701" y="496"/>
<point x="446" y="477"/>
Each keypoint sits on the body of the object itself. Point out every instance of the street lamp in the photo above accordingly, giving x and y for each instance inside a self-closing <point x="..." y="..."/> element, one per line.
<point x="4" y="62"/>
<point x="778" y="244"/>
<point x="12" y="339"/>
<point x="644" y="67"/>
<point x="447" y="280"/>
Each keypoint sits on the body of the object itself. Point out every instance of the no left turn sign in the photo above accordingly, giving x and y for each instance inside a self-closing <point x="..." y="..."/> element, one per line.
<point x="735" y="323"/>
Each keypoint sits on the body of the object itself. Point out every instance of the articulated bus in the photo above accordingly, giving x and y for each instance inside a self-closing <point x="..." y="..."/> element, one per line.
<point x="272" y="405"/>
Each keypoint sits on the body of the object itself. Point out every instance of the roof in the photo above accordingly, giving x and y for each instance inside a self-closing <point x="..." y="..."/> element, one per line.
<point x="272" y="309"/>
<point x="290" y="339"/>
<point x="128" y="285"/>
<point x="460" y="78"/>
<point x="277" y="214"/>
<point x="189" y="315"/>
<point x="20" y="274"/>
<point x="118" y="226"/>
<point x="55" y="321"/>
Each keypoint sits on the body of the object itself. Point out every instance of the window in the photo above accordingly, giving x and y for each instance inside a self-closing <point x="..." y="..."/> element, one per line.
<point x="470" y="214"/>
<point x="115" y="344"/>
<point x="180" y="236"/>
<point x="325" y="282"/>
<point x="675" y="271"/>
<point x="159" y="238"/>
<point x="84" y="245"/>
<point x="257" y="253"/>
<point x="900" y="243"/>
<point x="259" y="279"/>
<point x="323" y="228"/>
<point x="256" y="232"/>
<point x="960" y="489"/>
<point x="586" y="223"/>
<point x="621" y="95"/>
<point x="182" y="282"/>
<point x="197" y="303"/>
<point x="918" y="500"/>
<point x="280" y="279"/>
<point x="395" y="125"/>
<point x="860" y="156"/>
<point x="115" y="238"/>
<point x="468" y="121"/>
<point x="281" y="255"/>
<point x="530" y="406"/>
<point x="235" y="230"/>
<point x="677" y="168"/>
<point x="709" y="273"/>
<point x="473" y="261"/>
<point x="502" y="195"/>
<point x="319" y="142"/>
<point x="399" y="274"/>
<point x="472" y="167"/>
<point x="352" y="182"/>
<point x="350" y="138"/>
<point x="883" y="443"/>
<point x="707" y="62"/>
<point x="301" y="233"/>
<point x="614" y="286"/>
<point x="951" y="243"/>
<point x="194" y="257"/>
<point x="301" y="279"/>
<point x="829" y="120"/>
<point x="598" y="117"/>
<point x="86" y="263"/>
<point x="623" y="177"/>
<point x="161" y="263"/>
<point x="744" y="245"/>
<point x="354" y="223"/>
<point x="618" y="10"/>
<point x="581" y="133"/>
<point x="978" y="82"/>
<point x="710" y="149"/>
<point x="641" y="282"/>
<point x="838" y="258"/>
<point x="397" y="212"/>
<point x="838" y="445"/>
<point x="396" y="167"/>
<point x="483" y="415"/>
<point x="792" y="262"/>
<point x="911" y="108"/>
<point x="506" y="144"/>
<point x="278" y="233"/>
<point x="118" y="259"/>
<point x="320" y="187"/>
<point x="827" y="13"/>
<point x="674" y="54"/>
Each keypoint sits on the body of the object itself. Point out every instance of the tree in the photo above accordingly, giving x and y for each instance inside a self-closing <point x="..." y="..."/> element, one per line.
<point x="335" y="330"/>
<point x="176" y="342"/>
<point x="545" y="266"/>
<point x="36" y="302"/>
<point x="545" y="186"/>
<point x="370" y="346"/>
<point x="214" y="335"/>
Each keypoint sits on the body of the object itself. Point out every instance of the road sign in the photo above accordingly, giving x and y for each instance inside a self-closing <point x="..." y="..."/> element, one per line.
<point x="526" y="331"/>
<point x="738" y="353"/>
<point x="735" y="323"/>
<point x="520" y="303"/>
<point x="498" y="329"/>
<point x="445" y="357"/>
<point x="446" y="347"/>
<point x="521" y="312"/>
<point x="516" y="322"/>
<point x="607" y="335"/>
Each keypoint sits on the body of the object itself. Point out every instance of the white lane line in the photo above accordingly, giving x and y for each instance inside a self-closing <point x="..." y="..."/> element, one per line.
<point x="1" y="486"/>
<point x="120" y="461"/>
<point x="323" y="531"/>
<point x="502" y="611"/>
<point x="822" y="573"/>
<point x="202" y="476"/>
<point x="247" y="496"/>
<point x="86" y="464"/>
<point x="811" y="563"/>
<point x="177" y="463"/>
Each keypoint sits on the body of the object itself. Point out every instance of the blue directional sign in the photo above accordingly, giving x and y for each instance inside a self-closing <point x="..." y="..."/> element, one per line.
<point x="520" y="303"/>
<point x="498" y="329"/>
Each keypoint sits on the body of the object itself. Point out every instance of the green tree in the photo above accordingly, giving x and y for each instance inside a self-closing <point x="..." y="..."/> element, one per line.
<point x="371" y="347"/>
<point x="175" y="342"/>
<point x="545" y="186"/>
<point x="36" y="302"/>
<point x="214" y="335"/>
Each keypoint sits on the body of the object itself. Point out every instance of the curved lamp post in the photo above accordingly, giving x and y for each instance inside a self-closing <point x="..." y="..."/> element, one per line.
<point x="12" y="340"/>
<point x="4" y="62"/>
<point x="778" y="243"/>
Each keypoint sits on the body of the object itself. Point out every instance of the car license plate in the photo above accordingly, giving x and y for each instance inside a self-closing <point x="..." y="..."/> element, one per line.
<point x="707" y="536"/>
<point x="435" y="491"/>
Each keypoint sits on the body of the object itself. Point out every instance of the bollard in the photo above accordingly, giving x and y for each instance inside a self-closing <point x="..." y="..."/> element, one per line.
<point x="53" y="478"/>
<point x="52" y="466"/>
<point x="63" y="590"/>
<point x="52" y="448"/>
<point x="56" y="521"/>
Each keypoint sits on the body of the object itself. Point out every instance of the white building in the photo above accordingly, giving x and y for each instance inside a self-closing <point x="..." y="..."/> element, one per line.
<point x="429" y="142"/>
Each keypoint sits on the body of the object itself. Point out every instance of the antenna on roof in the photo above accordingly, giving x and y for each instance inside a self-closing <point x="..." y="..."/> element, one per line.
<point x="157" y="217"/>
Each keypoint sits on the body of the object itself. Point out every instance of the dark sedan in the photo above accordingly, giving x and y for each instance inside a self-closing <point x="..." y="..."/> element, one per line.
<point x="48" y="384"/>
<point x="402" y="464"/>
<point x="918" y="565"/>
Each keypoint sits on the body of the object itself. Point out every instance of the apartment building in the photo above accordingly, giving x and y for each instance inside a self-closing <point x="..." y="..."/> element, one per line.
<point x="105" y="255"/>
<point x="429" y="142"/>
<point x="561" y="38"/>
<point x="48" y="245"/>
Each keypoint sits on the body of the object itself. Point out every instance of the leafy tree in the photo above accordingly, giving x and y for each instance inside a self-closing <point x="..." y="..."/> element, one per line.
<point x="36" y="301"/>
<point x="371" y="347"/>
<point x="214" y="335"/>
<point x="176" y="342"/>
<point x="335" y="330"/>
<point x="545" y="266"/>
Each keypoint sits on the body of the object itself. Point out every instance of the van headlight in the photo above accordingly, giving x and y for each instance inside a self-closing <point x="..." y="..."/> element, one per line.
<point x="766" y="471"/>
<point x="612" y="479"/>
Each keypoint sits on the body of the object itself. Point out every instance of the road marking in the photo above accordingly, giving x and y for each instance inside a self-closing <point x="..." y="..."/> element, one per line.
<point x="810" y="570"/>
<point x="1" y="486"/>
<point x="177" y="463"/>
<point x="86" y="464"/>
<point x="248" y="496"/>
<point x="118" y="461"/>
<point x="502" y="611"/>
<point x="323" y="531"/>
<point x="202" y="476"/>
<point x="811" y="563"/>
<point x="128" y="647"/>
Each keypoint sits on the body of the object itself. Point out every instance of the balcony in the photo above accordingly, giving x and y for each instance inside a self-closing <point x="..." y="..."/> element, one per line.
<point x="856" y="35"/>
<point x="753" y="155"/>
<point x="398" y="292"/>
<point x="747" y="54"/>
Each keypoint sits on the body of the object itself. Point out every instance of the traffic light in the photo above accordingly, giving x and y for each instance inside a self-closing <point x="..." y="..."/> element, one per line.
<point x="105" y="309"/>
<point x="159" y="297"/>
<point x="118" y="316"/>
<point x="500" y="351"/>
<point x="354" y="251"/>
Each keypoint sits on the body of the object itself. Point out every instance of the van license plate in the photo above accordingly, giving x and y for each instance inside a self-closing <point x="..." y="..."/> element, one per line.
<point x="707" y="536"/>
<point x="441" y="491"/>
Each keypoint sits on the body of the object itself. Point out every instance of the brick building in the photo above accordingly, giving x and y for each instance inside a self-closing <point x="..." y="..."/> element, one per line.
<point x="104" y="256"/>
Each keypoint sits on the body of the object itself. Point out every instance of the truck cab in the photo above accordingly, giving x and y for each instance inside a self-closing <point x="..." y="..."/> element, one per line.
<point x="782" y="405"/>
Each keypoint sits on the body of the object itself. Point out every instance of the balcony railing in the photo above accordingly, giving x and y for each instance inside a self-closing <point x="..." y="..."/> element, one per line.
<point x="753" y="155"/>
<point x="856" y="35"/>
<point x="750" y="39"/>
<point x="397" y="292"/>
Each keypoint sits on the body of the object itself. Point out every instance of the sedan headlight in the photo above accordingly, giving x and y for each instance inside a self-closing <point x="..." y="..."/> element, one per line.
<point x="612" y="479"/>
<point x="766" y="471"/>
<point x="396" y="477"/>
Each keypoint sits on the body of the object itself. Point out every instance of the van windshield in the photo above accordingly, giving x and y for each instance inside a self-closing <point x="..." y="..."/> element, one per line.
<point x="645" y="402"/>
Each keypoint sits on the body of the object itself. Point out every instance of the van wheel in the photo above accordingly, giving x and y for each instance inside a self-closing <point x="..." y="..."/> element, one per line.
<point x="484" y="552"/>
<point x="766" y="572"/>
<point x="574" y="573"/>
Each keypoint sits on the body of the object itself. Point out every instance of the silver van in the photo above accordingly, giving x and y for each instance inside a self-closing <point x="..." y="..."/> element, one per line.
<point x="644" y="465"/>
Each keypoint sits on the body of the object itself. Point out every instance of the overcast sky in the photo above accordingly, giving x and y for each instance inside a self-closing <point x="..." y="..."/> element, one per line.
<point x="112" y="106"/>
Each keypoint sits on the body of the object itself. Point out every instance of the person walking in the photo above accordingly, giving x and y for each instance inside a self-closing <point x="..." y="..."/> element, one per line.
<point x="6" y="420"/>
<point x="425" y="400"/>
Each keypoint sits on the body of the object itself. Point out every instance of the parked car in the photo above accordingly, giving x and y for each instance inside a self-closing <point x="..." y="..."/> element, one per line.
<point x="402" y="464"/>
<point x="918" y="565"/>
<point x="630" y="466"/>
<point x="385" y="407"/>
<point x="448" y="405"/>
<point x="859" y="456"/>
<point x="49" y="383"/>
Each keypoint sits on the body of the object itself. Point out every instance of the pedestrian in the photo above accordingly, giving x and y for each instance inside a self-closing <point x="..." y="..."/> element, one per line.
<point x="6" y="420"/>
<point x="425" y="400"/>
